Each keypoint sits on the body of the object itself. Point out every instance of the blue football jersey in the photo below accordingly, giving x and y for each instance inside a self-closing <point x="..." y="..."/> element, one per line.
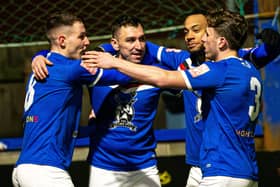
<point x="52" y="111"/>
<point x="122" y="138"/>
<point x="181" y="59"/>
<point x="231" y="94"/>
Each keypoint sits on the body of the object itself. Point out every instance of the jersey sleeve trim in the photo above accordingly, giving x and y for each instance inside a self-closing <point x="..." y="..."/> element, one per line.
<point x="188" y="84"/>
<point x="97" y="78"/>
<point x="159" y="53"/>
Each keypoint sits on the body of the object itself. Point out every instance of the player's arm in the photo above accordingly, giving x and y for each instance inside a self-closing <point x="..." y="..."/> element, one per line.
<point x="39" y="64"/>
<point x="169" y="57"/>
<point x="266" y="52"/>
<point x="145" y="73"/>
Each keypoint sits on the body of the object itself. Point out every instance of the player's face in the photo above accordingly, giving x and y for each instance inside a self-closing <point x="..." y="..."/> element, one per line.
<point x="76" y="41"/>
<point x="131" y="43"/>
<point x="210" y="41"/>
<point x="194" y="29"/>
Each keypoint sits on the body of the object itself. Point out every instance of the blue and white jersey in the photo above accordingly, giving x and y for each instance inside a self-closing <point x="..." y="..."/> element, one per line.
<point x="231" y="99"/>
<point x="52" y="111"/>
<point x="260" y="56"/>
<point x="181" y="59"/>
<point x="123" y="136"/>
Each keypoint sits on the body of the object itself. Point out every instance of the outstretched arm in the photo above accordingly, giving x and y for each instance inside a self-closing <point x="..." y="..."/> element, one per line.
<point x="145" y="73"/>
<point x="40" y="62"/>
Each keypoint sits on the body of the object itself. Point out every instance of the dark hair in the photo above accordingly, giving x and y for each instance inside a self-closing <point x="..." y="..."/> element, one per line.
<point x="230" y="25"/>
<point x="195" y="11"/>
<point x="61" y="18"/>
<point x="123" y="21"/>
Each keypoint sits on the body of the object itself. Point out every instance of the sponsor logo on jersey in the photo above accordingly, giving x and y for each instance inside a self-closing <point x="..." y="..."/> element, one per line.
<point x="31" y="119"/>
<point x="200" y="70"/>
<point x="245" y="133"/>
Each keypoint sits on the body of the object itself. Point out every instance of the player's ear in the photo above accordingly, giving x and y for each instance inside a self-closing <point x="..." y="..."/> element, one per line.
<point x="115" y="44"/>
<point x="61" y="41"/>
<point x="222" y="43"/>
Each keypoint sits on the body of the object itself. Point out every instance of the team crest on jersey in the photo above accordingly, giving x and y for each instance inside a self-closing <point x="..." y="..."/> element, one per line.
<point x="200" y="70"/>
<point x="125" y="109"/>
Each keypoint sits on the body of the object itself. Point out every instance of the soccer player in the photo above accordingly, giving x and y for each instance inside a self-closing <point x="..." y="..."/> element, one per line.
<point x="122" y="145"/>
<point x="52" y="107"/>
<point x="194" y="27"/>
<point x="231" y="92"/>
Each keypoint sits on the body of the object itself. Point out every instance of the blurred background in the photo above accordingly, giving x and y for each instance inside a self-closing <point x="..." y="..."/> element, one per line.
<point x="22" y="34"/>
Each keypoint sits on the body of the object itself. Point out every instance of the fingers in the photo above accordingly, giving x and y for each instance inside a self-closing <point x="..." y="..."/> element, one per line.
<point x="92" y="52"/>
<point x="94" y="59"/>
<point x="89" y="59"/>
<point x="40" y="70"/>
<point x="39" y="67"/>
<point x="90" y="67"/>
<point x="49" y="63"/>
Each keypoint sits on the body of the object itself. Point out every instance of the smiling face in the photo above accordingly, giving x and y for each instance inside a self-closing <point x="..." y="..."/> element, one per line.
<point x="130" y="42"/>
<point x="66" y="33"/>
<point x="76" y="41"/>
<point x="194" y="29"/>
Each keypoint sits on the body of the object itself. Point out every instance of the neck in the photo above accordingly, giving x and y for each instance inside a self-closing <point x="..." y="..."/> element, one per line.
<point x="225" y="54"/>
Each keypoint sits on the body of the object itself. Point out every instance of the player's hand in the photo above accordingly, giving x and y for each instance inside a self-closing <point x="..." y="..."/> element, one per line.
<point x="94" y="59"/>
<point x="89" y="68"/>
<point x="39" y="67"/>
<point x="271" y="38"/>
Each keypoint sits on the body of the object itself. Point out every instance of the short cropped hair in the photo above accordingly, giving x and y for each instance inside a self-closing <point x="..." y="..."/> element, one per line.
<point x="59" y="19"/>
<point x="230" y="25"/>
<point x="123" y="21"/>
<point x="195" y="11"/>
